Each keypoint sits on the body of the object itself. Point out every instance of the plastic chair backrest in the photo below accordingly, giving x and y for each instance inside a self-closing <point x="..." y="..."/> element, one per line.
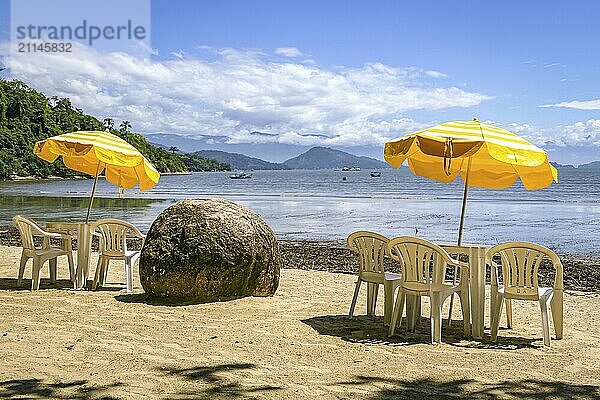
<point x="26" y="228"/>
<point x="371" y="250"/>
<point x="422" y="261"/>
<point x="113" y="235"/>
<point x="520" y="262"/>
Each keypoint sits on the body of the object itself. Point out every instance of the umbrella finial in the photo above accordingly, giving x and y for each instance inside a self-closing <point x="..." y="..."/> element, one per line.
<point x="475" y="119"/>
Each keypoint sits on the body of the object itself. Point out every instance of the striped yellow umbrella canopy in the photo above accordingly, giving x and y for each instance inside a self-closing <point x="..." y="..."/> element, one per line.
<point x="94" y="152"/>
<point x="484" y="155"/>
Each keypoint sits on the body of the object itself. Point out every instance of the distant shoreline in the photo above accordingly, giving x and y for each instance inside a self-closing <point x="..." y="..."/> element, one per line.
<point x="77" y="177"/>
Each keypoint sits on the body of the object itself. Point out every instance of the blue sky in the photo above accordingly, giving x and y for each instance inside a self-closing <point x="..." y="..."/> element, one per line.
<point x="484" y="47"/>
<point x="523" y="53"/>
<point x="349" y="73"/>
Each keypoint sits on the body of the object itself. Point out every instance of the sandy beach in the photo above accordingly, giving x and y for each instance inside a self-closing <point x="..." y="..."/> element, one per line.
<point x="66" y="344"/>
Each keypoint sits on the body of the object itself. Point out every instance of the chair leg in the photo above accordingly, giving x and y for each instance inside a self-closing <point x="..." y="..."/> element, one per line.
<point x="104" y="275"/>
<point x="465" y="305"/>
<point x="22" y="265"/>
<point x="418" y="311"/>
<point x="493" y="297"/>
<point x="72" y="274"/>
<point x="388" y="305"/>
<point x="496" y="317"/>
<point x="397" y="313"/>
<point x="128" y="276"/>
<point x="545" y="322"/>
<point x="35" y="274"/>
<point x="556" y="307"/>
<point x="355" y="297"/>
<point x="435" y="317"/>
<point x="372" y="291"/>
<point x="98" y="273"/>
<point x="52" y="266"/>
<point x="508" y="313"/>
<point x="414" y="310"/>
<point x="450" y="309"/>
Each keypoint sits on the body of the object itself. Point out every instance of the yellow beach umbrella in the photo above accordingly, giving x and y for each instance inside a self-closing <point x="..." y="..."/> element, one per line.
<point x="484" y="155"/>
<point x="94" y="152"/>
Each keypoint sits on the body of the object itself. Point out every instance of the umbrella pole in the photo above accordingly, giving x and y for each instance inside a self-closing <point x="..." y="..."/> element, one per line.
<point x="464" y="204"/>
<point x="460" y="229"/>
<point x="87" y="217"/>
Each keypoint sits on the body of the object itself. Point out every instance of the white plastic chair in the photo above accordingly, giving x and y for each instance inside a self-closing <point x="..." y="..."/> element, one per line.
<point x="424" y="266"/>
<point x="28" y="229"/>
<point x="371" y="250"/>
<point x="520" y="262"/>
<point x="113" y="246"/>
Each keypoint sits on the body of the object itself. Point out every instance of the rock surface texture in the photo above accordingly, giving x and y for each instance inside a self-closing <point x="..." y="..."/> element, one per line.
<point x="209" y="250"/>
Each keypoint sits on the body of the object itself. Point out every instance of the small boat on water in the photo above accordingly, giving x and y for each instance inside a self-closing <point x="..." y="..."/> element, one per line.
<point x="375" y="174"/>
<point x="352" y="169"/>
<point x="240" y="175"/>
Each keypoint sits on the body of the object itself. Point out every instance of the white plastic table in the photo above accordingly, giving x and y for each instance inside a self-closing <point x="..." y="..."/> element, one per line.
<point x="83" y="233"/>
<point x="476" y="254"/>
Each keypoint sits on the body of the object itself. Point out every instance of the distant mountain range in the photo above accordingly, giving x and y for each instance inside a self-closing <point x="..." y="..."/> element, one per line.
<point x="314" y="158"/>
<point x="592" y="166"/>
<point x="239" y="161"/>
<point x="327" y="158"/>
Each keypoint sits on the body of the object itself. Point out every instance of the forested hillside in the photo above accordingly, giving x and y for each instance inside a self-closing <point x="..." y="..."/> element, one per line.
<point x="27" y="116"/>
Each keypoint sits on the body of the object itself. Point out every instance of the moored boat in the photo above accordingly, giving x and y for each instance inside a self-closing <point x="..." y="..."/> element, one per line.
<point x="240" y="175"/>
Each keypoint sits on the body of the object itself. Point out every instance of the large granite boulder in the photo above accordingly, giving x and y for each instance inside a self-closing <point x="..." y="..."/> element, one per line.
<point x="209" y="250"/>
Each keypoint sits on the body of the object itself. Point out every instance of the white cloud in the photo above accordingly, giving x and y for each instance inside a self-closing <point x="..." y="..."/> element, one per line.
<point x="577" y="104"/>
<point x="234" y="93"/>
<point x="436" y="74"/>
<point x="550" y="65"/>
<point x="288" y="52"/>
<point x="582" y="133"/>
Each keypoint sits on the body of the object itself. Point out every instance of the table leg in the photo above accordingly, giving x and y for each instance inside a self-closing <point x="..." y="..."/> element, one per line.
<point x="83" y="254"/>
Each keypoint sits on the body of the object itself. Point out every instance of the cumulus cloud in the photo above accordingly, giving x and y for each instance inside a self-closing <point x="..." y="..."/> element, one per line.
<point x="582" y="134"/>
<point x="576" y="104"/>
<point x="291" y="52"/>
<point x="234" y="93"/>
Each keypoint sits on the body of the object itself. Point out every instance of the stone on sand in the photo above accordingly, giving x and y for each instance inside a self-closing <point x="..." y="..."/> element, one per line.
<point x="209" y="250"/>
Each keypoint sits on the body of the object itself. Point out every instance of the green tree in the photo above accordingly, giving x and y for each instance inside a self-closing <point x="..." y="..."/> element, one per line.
<point x="124" y="128"/>
<point x="27" y="116"/>
<point x="108" y="123"/>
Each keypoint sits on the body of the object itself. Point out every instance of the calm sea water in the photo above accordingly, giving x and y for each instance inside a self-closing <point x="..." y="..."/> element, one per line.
<point x="321" y="205"/>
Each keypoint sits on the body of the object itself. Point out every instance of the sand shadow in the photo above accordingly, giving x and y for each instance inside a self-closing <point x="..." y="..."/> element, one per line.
<point x="371" y="330"/>
<point x="36" y="388"/>
<point x="144" y="298"/>
<point x="217" y="378"/>
<point x="11" y="284"/>
<point x="426" y="388"/>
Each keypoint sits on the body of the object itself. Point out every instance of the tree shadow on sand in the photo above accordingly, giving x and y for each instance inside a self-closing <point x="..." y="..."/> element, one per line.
<point x="219" y="385"/>
<point x="36" y="388"/>
<point x="370" y="330"/>
<point x="426" y="388"/>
